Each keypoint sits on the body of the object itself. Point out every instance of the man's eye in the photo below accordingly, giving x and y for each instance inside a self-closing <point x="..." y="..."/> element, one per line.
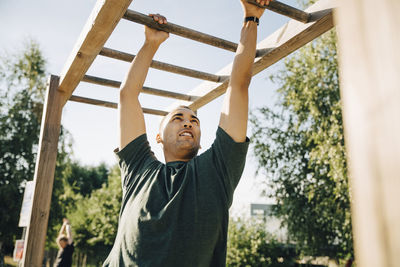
<point x="195" y="121"/>
<point x="177" y="118"/>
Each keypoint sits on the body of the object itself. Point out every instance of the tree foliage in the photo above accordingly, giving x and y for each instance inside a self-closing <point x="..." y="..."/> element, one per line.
<point x="300" y="147"/>
<point x="22" y="86"/>
<point x="250" y="245"/>
<point x="88" y="194"/>
<point x="95" y="218"/>
<point x="73" y="182"/>
<point x="22" y="89"/>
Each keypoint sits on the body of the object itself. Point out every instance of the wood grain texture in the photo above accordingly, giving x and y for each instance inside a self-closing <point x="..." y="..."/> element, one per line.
<point x="101" y="23"/>
<point x="369" y="42"/>
<point x="44" y="175"/>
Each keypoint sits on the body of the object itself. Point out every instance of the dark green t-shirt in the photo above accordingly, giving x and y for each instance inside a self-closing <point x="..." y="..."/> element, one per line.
<point x="176" y="214"/>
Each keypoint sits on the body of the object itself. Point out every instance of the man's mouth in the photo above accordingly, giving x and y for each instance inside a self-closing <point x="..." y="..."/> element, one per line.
<point x="186" y="133"/>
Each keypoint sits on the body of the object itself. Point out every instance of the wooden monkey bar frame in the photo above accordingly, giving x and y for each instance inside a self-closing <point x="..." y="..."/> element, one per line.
<point x="305" y="26"/>
<point x="293" y="35"/>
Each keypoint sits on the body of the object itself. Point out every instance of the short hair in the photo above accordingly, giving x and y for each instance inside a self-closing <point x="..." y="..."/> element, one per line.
<point x="165" y="117"/>
<point x="62" y="238"/>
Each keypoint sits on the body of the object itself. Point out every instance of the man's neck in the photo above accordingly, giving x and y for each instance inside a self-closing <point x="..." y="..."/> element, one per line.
<point x="171" y="158"/>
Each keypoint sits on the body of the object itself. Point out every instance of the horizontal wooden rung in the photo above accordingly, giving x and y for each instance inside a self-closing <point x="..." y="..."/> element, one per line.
<point x="263" y="51"/>
<point x="285" y="10"/>
<point x="101" y="81"/>
<point x="115" y="54"/>
<point x="107" y="104"/>
<point x="146" y="90"/>
<point x="180" y="30"/>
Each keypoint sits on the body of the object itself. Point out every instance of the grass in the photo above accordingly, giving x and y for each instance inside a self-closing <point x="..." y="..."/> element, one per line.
<point x="9" y="262"/>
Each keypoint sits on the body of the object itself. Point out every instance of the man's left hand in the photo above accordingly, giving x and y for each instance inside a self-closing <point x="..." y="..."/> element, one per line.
<point x="251" y="10"/>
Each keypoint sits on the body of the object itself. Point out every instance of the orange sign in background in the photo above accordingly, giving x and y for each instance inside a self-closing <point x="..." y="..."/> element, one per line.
<point x="18" y="250"/>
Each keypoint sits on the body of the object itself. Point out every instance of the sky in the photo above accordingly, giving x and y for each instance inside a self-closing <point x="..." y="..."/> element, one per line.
<point x="56" y="25"/>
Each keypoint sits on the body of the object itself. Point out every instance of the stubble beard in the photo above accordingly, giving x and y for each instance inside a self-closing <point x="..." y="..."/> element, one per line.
<point x="187" y="152"/>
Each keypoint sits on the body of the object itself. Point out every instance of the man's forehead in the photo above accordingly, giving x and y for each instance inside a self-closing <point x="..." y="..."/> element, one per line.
<point x="182" y="111"/>
<point x="176" y="112"/>
<point x="179" y="111"/>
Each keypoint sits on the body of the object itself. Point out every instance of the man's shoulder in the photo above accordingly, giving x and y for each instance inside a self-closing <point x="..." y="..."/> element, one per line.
<point x="137" y="150"/>
<point x="70" y="247"/>
<point x="138" y="141"/>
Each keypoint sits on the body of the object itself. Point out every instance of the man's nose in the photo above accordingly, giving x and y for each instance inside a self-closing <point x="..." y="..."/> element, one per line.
<point x="187" y="124"/>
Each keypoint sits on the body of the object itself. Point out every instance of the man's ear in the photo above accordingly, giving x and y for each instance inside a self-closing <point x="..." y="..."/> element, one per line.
<point x="158" y="139"/>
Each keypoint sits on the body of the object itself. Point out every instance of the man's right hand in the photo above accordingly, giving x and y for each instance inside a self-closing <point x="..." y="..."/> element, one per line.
<point x="153" y="35"/>
<point x="131" y="118"/>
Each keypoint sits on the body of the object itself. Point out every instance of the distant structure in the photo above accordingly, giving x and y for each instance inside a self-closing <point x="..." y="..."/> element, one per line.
<point x="263" y="212"/>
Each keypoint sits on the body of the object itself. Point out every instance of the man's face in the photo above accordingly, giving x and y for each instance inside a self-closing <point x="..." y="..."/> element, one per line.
<point x="180" y="135"/>
<point x="63" y="243"/>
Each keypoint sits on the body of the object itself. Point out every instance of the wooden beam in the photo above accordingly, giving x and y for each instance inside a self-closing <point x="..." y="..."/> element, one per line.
<point x="286" y="10"/>
<point x="180" y="30"/>
<point x="284" y="41"/>
<point x="263" y="51"/>
<point x="369" y="74"/>
<point x="107" y="52"/>
<point x="107" y="104"/>
<point x="101" y="81"/>
<point x="95" y="102"/>
<point x="44" y="175"/>
<point x="102" y="21"/>
<point x="145" y="89"/>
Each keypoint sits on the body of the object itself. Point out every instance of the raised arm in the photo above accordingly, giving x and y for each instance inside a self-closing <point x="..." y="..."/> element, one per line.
<point x="62" y="228"/>
<point x="234" y="114"/>
<point x="67" y="228"/>
<point x="131" y="118"/>
<point x="69" y="233"/>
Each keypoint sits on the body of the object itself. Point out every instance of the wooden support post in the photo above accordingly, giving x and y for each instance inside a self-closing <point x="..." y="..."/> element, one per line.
<point x="180" y="30"/>
<point x="44" y="175"/>
<point x="369" y="42"/>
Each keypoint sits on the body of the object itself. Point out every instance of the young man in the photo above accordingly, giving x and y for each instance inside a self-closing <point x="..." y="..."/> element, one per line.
<point x="176" y="214"/>
<point x="66" y="246"/>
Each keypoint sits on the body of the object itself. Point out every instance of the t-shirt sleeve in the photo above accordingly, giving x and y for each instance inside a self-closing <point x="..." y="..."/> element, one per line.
<point x="229" y="158"/>
<point x="133" y="157"/>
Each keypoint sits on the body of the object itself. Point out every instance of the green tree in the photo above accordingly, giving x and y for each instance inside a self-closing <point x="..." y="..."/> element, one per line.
<point x="300" y="148"/>
<point x="74" y="183"/>
<point x="250" y="245"/>
<point x="95" y="218"/>
<point x="22" y="89"/>
<point x="22" y="86"/>
<point x="85" y="179"/>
